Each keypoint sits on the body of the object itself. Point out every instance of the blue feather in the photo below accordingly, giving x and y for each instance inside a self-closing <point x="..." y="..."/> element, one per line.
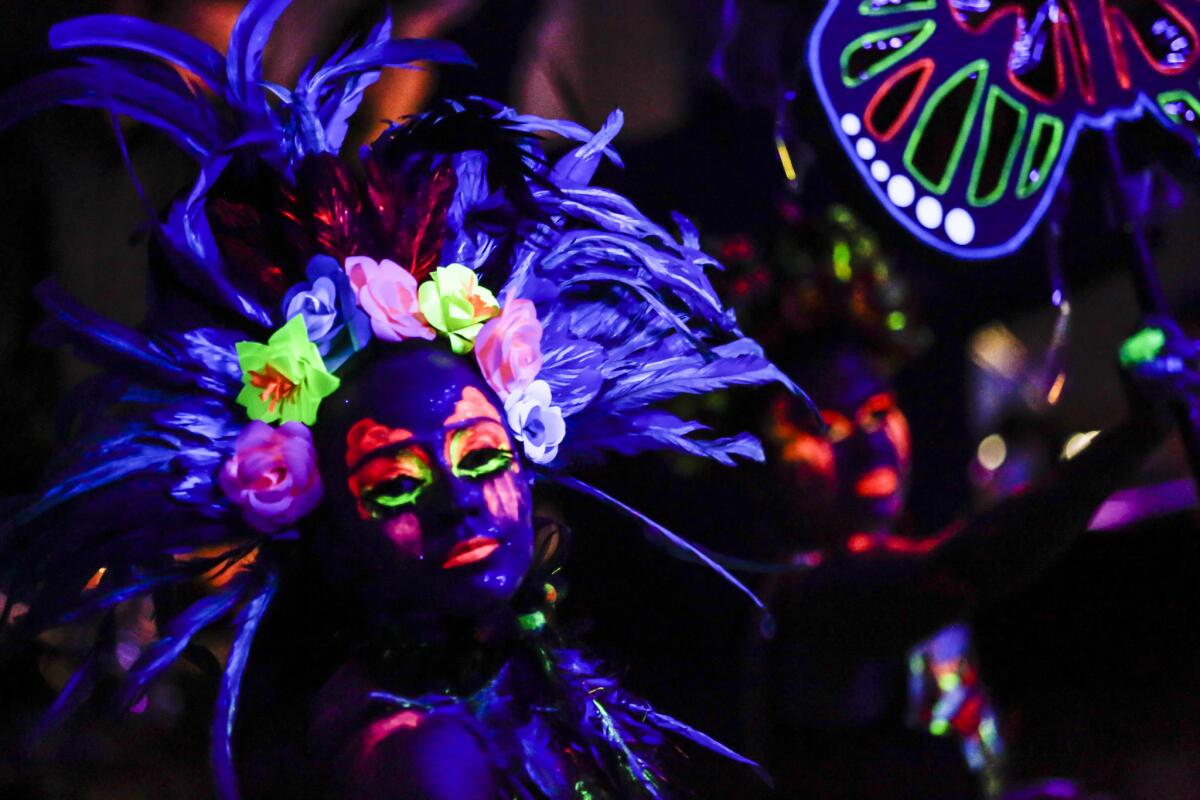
<point x="572" y="369"/>
<point x="389" y="53"/>
<point x="97" y="600"/>
<point x="140" y="36"/>
<point x="671" y="542"/>
<point x="120" y="91"/>
<point x="738" y="363"/>
<point x="243" y="60"/>
<point x="631" y="433"/>
<point x="137" y="460"/>
<point x="73" y="695"/>
<point x="246" y="625"/>
<point x="637" y="767"/>
<point x="173" y="639"/>
<point x="674" y="726"/>
<point x="105" y="341"/>
<point x="577" y="167"/>
<point x="336" y="110"/>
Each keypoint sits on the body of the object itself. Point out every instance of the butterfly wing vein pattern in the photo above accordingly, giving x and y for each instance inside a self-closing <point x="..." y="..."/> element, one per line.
<point x="961" y="115"/>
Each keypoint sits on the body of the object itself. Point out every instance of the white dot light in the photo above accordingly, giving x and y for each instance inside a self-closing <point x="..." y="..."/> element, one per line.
<point x="865" y="148"/>
<point x="929" y="212"/>
<point x="960" y="228"/>
<point x="880" y="171"/>
<point x="851" y="125"/>
<point x="992" y="451"/>
<point x="900" y="191"/>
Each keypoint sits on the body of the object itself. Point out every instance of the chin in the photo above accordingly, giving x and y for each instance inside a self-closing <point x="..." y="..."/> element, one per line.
<point x="469" y="591"/>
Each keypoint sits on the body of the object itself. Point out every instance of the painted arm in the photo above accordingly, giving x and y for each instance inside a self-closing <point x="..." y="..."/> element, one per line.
<point x="881" y="601"/>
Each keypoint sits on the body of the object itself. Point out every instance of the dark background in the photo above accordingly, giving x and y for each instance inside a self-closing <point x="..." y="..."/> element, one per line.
<point x="1094" y="666"/>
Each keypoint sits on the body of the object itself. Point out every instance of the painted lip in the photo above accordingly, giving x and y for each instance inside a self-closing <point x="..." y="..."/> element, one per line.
<point x="879" y="482"/>
<point x="470" y="551"/>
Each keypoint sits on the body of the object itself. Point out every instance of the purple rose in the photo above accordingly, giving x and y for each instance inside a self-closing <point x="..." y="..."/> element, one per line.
<point x="273" y="475"/>
<point x="335" y="323"/>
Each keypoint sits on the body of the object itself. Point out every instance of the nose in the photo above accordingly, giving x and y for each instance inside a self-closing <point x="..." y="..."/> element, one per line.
<point x="872" y="448"/>
<point x="459" y="498"/>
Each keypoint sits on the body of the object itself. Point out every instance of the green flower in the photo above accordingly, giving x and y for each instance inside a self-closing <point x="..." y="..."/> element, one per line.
<point x="285" y="379"/>
<point x="1143" y="346"/>
<point x="453" y="302"/>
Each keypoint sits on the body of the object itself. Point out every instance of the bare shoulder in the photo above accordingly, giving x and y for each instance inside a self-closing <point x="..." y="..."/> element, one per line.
<point x="363" y="751"/>
<point x="411" y="754"/>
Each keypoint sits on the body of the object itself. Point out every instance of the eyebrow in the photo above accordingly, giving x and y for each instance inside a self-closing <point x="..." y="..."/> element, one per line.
<point x="458" y="425"/>
<point x="877" y="402"/>
<point x="404" y="444"/>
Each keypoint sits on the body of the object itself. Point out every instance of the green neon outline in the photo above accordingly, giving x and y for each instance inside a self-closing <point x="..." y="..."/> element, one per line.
<point x="924" y="29"/>
<point x="396" y="500"/>
<point x="1176" y="94"/>
<point x="1025" y="187"/>
<point x="864" y="8"/>
<point x="981" y="67"/>
<point x="996" y="93"/>
<point x="499" y="462"/>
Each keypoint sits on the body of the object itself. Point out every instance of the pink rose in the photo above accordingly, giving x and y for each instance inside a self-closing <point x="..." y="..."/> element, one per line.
<point x="509" y="348"/>
<point x="273" y="475"/>
<point x="388" y="293"/>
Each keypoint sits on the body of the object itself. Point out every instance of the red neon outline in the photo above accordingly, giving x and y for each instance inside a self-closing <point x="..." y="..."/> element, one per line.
<point x="1082" y="58"/>
<point x="1083" y="68"/>
<point x="924" y="64"/>
<point x="1116" y="41"/>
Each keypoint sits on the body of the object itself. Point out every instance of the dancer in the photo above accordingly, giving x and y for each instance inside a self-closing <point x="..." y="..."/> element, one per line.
<point x="352" y="374"/>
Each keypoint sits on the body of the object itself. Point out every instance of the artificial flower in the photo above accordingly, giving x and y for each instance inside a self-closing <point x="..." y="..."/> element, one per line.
<point x="328" y="303"/>
<point x="535" y="422"/>
<point x="285" y="379"/>
<point x="509" y="348"/>
<point x="453" y="302"/>
<point x="388" y="293"/>
<point x="273" y="475"/>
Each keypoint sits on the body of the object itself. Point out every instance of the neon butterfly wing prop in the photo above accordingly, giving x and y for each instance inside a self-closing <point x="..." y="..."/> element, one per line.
<point x="961" y="115"/>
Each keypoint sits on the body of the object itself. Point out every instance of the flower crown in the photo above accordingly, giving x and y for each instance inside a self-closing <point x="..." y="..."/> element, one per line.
<point x="341" y="307"/>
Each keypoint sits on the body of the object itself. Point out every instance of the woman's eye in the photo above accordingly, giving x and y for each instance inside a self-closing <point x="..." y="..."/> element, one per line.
<point x="394" y="494"/>
<point x="483" y="462"/>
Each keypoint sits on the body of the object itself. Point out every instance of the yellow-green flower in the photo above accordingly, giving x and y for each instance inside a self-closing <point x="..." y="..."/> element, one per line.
<point x="285" y="379"/>
<point x="453" y="302"/>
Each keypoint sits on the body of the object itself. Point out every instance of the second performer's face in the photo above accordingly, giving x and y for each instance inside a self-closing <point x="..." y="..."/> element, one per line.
<point x="854" y="477"/>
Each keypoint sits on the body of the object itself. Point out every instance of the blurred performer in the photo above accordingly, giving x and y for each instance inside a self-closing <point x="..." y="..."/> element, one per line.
<point x="875" y="599"/>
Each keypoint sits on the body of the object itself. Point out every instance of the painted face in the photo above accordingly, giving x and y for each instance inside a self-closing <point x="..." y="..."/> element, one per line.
<point x="431" y="502"/>
<point x="854" y="478"/>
